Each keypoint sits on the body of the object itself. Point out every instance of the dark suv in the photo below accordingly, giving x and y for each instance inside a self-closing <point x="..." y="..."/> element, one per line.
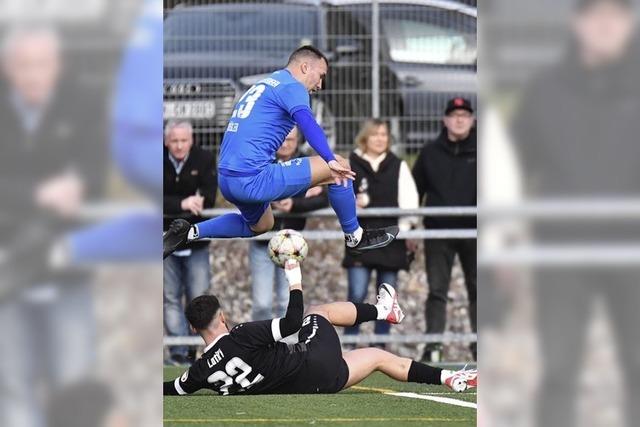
<point x="214" y="52"/>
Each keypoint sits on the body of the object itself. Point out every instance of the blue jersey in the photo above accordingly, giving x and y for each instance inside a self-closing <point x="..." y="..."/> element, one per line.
<point x="260" y="122"/>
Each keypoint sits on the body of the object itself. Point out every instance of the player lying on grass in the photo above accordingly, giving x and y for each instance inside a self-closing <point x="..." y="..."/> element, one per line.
<point x="249" y="359"/>
<point x="249" y="178"/>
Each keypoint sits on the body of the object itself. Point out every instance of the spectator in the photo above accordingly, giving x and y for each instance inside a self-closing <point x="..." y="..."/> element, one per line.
<point x="382" y="180"/>
<point x="264" y="274"/>
<point x="445" y="172"/>
<point x="190" y="186"/>
<point x="576" y="132"/>
<point x="52" y="143"/>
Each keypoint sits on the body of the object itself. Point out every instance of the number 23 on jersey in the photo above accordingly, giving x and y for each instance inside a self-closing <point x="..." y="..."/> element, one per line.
<point x="245" y="105"/>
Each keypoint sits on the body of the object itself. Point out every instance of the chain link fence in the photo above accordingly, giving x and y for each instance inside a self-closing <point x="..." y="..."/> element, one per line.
<point x="400" y="61"/>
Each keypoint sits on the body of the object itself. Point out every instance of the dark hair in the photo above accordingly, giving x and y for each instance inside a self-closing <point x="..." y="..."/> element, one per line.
<point x="201" y="311"/>
<point x="307" y="51"/>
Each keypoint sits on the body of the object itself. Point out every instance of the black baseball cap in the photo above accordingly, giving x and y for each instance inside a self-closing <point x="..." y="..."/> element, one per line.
<point x="458" y="103"/>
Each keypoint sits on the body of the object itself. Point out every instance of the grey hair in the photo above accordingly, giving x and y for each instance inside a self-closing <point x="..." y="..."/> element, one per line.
<point x="18" y="33"/>
<point x="173" y="124"/>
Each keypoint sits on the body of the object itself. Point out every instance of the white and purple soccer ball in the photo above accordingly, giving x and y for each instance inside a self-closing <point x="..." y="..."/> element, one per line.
<point x="287" y="244"/>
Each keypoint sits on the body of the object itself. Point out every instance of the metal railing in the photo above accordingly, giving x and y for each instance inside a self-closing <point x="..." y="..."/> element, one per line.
<point x="368" y="212"/>
<point x="358" y="339"/>
<point x="339" y="235"/>
<point x="367" y="43"/>
<point x="456" y="211"/>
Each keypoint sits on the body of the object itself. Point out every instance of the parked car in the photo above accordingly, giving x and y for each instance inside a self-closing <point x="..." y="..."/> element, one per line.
<point x="214" y="52"/>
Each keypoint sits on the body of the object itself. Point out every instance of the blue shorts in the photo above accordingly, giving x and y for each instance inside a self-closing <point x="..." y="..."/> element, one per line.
<point x="253" y="194"/>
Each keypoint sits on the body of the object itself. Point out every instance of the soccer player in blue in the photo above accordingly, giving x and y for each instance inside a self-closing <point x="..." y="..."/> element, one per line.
<point x="248" y="175"/>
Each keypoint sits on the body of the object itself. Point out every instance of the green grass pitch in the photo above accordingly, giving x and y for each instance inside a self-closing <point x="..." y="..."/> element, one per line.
<point x="363" y="405"/>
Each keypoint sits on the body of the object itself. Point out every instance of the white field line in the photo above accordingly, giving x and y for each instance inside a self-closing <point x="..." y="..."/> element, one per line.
<point x="446" y="400"/>
<point x="427" y="396"/>
<point x="453" y="393"/>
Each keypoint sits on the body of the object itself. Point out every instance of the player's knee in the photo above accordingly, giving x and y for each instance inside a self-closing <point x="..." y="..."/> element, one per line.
<point x="260" y="228"/>
<point x="263" y="226"/>
<point x="320" y="172"/>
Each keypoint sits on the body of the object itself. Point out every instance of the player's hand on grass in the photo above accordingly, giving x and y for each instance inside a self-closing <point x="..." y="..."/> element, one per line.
<point x="341" y="171"/>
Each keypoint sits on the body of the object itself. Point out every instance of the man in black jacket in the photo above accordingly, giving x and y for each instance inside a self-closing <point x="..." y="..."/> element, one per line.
<point x="53" y="145"/>
<point x="190" y="185"/>
<point x="576" y="135"/>
<point x="445" y="172"/>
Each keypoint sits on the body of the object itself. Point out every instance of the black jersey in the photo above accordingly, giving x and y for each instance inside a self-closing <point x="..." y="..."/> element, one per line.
<point x="247" y="360"/>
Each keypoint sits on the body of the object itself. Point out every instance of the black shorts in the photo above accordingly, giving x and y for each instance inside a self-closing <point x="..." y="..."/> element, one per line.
<point x="324" y="371"/>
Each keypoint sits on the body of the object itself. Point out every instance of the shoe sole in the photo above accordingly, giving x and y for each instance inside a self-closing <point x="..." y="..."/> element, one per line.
<point x="168" y="249"/>
<point x="171" y="249"/>
<point x="359" y="251"/>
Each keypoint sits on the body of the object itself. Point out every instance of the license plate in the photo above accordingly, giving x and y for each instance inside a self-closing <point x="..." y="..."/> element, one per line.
<point x="189" y="109"/>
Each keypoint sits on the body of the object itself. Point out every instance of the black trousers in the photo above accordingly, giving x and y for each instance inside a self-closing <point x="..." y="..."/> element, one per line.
<point x="439" y="257"/>
<point x="565" y="303"/>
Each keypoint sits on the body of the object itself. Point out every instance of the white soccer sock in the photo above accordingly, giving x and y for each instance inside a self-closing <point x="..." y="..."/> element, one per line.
<point x="193" y="233"/>
<point x="353" y="239"/>
<point x="382" y="312"/>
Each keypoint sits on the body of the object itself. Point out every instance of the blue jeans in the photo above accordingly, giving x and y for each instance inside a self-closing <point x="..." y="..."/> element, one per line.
<point x="184" y="276"/>
<point x="49" y="340"/>
<point x="358" y="278"/>
<point x="264" y="275"/>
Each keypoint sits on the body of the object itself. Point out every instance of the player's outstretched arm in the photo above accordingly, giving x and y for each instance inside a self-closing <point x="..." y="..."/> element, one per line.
<point x="292" y="321"/>
<point x="314" y="134"/>
<point x="293" y="273"/>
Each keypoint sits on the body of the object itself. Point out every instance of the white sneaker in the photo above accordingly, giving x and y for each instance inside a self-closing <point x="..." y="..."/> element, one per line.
<point x="461" y="380"/>
<point x="388" y="304"/>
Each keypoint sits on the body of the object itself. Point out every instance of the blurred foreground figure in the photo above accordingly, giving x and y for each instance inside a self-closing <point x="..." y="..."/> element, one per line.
<point x="576" y="135"/>
<point x="48" y="168"/>
<point x="85" y="403"/>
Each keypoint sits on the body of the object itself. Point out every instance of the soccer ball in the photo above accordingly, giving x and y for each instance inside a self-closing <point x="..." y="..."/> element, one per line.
<point x="287" y="244"/>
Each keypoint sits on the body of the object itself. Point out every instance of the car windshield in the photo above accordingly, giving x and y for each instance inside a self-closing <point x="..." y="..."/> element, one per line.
<point x="411" y="40"/>
<point x="233" y="30"/>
